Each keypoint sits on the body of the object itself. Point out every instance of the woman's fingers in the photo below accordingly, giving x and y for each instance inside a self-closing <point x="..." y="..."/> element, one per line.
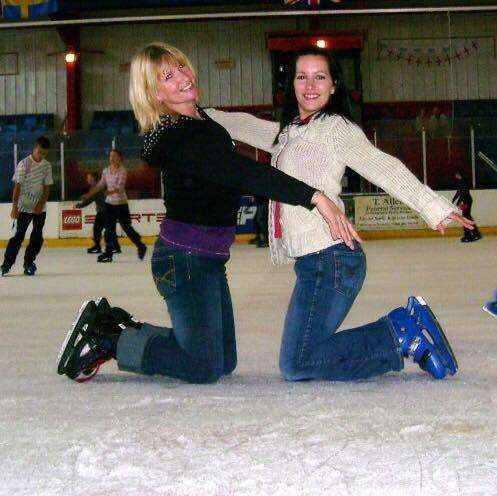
<point x="354" y="233"/>
<point x="339" y="224"/>
<point x="348" y="232"/>
<point x="468" y="224"/>
<point x="462" y="220"/>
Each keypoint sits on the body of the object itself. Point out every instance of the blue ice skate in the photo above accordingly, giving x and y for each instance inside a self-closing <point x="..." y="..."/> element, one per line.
<point x="491" y="306"/>
<point x="423" y="339"/>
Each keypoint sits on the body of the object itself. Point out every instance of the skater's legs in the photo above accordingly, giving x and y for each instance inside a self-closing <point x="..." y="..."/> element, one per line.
<point x="110" y="235"/>
<point x="193" y="351"/>
<point x="470" y="234"/>
<point x="98" y="227"/>
<point x="327" y="285"/>
<point x="229" y="339"/>
<point x="36" y="239"/>
<point x="124" y="217"/>
<point x="14" y="244"/>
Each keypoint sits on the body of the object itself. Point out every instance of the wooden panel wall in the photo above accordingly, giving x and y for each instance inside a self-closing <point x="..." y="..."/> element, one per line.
<point x="472" y="78"/>
<point x="40" y="85"/>
<point x="248" y="82"/>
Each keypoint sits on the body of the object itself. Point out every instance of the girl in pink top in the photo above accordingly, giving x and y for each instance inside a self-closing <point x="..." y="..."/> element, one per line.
<point x="113" y="182"/>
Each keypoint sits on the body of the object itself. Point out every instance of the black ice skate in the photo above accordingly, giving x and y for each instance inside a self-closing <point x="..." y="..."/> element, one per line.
<point x="93" y="338"/>
<point x="87" y="345"/>
<point x="84" y="321"/>
<point x="30" y="269"/>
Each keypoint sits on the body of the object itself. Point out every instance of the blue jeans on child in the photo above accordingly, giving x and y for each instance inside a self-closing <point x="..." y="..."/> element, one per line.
<point x="327" y="284"/>
<point x="201" y="347"/>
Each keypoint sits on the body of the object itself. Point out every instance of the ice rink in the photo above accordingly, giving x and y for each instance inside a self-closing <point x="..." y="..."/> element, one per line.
<point x="252" y="434"/>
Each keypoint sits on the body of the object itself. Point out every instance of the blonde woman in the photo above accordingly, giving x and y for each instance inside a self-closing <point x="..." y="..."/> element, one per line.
<point x="203" y="181"/>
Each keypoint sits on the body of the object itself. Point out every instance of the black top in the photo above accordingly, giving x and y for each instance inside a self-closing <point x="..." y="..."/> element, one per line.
<point x="204" y="177"/>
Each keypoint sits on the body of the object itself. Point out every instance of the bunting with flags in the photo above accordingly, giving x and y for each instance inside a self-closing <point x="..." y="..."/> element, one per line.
<point x="311" y="3"/>
<point x="27" y="9"/>
<point x="435" y="52"/>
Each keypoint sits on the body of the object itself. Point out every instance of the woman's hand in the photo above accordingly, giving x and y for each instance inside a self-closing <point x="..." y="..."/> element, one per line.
<point x="466" y="223"/>
<point x="340" y="226"/>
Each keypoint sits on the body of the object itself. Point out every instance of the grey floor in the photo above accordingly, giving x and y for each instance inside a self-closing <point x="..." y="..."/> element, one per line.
<point x="252" y="433"/>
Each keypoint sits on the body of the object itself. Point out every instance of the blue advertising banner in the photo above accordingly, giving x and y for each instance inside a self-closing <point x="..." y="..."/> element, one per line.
<point x="246" y="214"/>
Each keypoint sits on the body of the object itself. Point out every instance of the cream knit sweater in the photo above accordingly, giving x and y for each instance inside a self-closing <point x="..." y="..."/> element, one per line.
<point x="317" y="153"/>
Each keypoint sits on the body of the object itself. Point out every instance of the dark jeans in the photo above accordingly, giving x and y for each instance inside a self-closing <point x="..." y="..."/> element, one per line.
<point x="201" y="347"/>
<point x="98" y="227"/>
<point x="35" y="241"/>
<point x="327" y="285"/>
<point x="114" y="214"/>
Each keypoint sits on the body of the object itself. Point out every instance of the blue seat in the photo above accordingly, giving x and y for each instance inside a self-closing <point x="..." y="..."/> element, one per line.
<point x="28" y="123"/>
<point x="114" y="121"/>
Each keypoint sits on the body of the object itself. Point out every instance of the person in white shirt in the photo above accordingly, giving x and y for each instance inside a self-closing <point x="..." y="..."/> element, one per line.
<point x="32" y="181"/>
<point x="314" y="142"/>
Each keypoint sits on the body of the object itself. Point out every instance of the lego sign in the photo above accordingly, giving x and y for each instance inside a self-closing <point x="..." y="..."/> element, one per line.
<point x="72" y="220"/>
<point x="146" y="216"/>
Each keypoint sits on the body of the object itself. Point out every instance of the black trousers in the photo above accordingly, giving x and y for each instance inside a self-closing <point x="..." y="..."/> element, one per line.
<point x="35" y="241"/>
<point x="261" y="221"/>
<point x="466" y="211"/>
<point x="98" y="227"/>
<point x="119" y="213"/>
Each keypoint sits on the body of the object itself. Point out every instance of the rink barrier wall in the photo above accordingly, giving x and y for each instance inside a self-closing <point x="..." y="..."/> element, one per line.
<point x="375" y="216"/>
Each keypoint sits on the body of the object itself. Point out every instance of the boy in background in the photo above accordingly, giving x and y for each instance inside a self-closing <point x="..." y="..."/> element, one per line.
<point x="32" y="180"/>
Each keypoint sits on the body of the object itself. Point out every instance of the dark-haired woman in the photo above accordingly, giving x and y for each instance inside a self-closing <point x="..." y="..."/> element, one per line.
<point x="113" y="182"/>
<point x="315" y="141"/>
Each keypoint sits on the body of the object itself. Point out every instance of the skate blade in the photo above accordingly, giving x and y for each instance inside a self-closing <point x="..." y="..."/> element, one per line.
<point x="102" y="304"/>
<point x="70" y="340"/>
<point x="440" y="339"/>
<point x="486" y="309"/>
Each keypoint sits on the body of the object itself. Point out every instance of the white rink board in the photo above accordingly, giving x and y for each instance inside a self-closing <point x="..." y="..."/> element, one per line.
<point x="50" y="231"/>
<point x="147" y="214"/>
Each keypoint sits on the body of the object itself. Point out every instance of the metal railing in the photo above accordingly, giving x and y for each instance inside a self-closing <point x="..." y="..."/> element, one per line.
<point x="432" y="159"/>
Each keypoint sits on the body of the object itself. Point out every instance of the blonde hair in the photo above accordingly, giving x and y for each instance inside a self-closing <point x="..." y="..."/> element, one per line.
<point x="146" y="66"/>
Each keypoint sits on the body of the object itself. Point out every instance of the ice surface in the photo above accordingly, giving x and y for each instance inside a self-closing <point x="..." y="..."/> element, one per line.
<point x="252" y="433"/>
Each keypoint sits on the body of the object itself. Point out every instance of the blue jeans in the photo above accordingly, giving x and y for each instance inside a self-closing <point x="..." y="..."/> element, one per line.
<point x="201" y="347"/>
<point x="327" y="285"/>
